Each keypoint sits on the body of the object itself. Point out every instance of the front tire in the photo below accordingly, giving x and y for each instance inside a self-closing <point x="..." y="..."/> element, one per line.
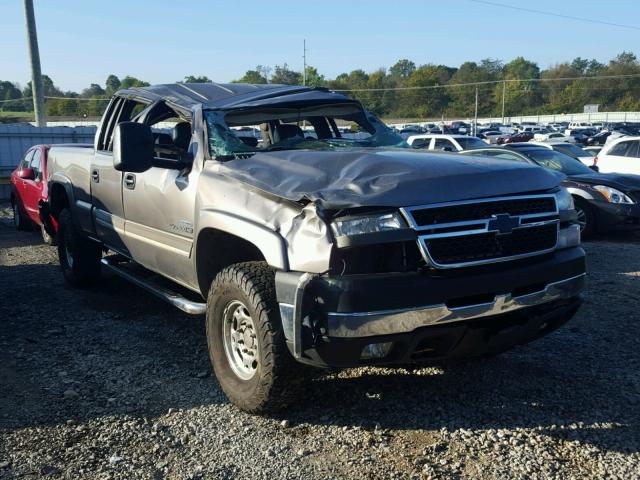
<point x="586" y="218"/>
<point x="246" y="342"/>
<point x="79" y="257"/>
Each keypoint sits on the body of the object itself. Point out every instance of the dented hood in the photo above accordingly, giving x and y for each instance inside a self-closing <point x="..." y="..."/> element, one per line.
<point x="385" y="177"/>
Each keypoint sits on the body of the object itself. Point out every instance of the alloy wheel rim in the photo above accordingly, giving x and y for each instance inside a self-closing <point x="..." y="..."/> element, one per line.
<point x="240" y="339"/>
<point x="581" y="218"/>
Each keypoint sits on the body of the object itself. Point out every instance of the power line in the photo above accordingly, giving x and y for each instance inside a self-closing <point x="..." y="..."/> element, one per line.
<point x="552" y="14"/>
<point x="490" y="82"/>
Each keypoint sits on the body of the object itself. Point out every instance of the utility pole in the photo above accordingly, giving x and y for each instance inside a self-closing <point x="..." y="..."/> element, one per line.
<point x="475" y="117"/>
<point x="304" y="61"/>
<point x="504" y="86"/>
<point x="34" y="57"/>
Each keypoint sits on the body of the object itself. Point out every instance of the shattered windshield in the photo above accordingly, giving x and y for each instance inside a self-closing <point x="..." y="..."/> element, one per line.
<point x="314" y="127"/>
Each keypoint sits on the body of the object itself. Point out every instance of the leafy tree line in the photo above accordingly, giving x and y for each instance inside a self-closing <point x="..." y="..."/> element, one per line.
<point x="407" y="90"/>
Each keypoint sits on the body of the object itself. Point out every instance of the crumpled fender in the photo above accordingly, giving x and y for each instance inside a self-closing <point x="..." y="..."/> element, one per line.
<point x="270" y="244"/>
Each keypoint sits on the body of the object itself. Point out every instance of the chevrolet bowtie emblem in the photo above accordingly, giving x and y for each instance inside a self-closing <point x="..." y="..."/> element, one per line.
<point x="503" y="223"/>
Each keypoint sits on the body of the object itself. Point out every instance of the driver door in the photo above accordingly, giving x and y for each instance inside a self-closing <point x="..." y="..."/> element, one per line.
<point x="159" y="215"/>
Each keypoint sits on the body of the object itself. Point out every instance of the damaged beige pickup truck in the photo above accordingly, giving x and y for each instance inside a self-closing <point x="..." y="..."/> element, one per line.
<point x="310" y="244"/>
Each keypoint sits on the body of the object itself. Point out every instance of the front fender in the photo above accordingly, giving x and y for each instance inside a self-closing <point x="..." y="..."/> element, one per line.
<point x="270" y="243"/>
<point x="579" y="192"/>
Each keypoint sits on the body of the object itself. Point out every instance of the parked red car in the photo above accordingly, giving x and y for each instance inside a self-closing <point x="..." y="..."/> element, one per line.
<point x="515" y="138"/>
<point x="29" y="194"/>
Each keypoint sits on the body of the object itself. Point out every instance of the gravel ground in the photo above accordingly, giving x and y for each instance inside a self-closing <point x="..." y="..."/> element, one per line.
<point x="112" y="383"/>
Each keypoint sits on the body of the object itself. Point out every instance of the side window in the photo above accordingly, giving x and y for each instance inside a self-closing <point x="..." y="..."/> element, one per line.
<point x="421" y="143"/>
<point x="36" y="163"/>
<point x="632" y="151"/>
<point x="620" y="149"/>
<point x="443" y="144"/>
<point x="26" y="160"/>
<point x="504" y="156"/>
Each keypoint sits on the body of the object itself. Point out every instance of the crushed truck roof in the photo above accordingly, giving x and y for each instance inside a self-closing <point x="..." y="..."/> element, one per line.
<point x="232" y="95"/>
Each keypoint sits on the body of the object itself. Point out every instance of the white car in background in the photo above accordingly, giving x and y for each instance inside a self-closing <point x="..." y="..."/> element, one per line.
<point x="448" y="143"/>
<point x="621" y="155"/>
<point x="553" y="137"/>
<point x="531" y="128"/>
<point x="578" y="126"/>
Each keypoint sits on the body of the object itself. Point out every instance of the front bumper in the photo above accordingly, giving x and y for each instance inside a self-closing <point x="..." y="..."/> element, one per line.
<point x="616" y="216"/>
<point x="344" y="314"/>
<point x="389" y="322"/>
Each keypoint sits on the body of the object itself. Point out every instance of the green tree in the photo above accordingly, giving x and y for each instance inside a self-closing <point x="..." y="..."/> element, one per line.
<point x="48" y="88"/>
<point x="427" y="102"/>
<point x="94" y="90"/>
<point x="112" y="85"/>
<point x="252" y="76"/>
<point x="194" y="79"/>
<point x="314" y="78"/>
<point x="522" y="95"/>
<point x="462" y="99"/>
<point x="11" y="91"/>
<point x="132" y="82"/>
<point x="402" y="69"/>
<point x="284" y="75"/>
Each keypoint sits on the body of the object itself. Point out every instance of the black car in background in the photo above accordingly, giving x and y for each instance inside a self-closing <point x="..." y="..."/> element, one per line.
<point x="603" y="201"/>
<point x="575" y="151"/>
<point x="599" y="138"/>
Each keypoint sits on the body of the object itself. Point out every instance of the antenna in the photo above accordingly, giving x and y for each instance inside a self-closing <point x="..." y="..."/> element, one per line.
<point x="304" y="61"/>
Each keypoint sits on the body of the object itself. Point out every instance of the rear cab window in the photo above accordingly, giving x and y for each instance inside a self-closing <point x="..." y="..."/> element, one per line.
<point x="119" y="110"/>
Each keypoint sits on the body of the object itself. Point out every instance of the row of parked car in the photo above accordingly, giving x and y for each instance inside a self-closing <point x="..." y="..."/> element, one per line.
<point x="606" y="186"/>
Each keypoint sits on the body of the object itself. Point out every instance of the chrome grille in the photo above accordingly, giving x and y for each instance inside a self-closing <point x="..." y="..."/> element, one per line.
<point x="475" y="232"/>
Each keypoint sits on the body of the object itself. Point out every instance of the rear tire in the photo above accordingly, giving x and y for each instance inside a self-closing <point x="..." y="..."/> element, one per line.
<point x="20" y="218"/>
<point x="79" y="257"/>
<point x="246" y="342"/>
<point x="586" y="218"/>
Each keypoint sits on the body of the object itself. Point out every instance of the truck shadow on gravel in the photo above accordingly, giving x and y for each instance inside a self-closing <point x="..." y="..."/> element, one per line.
<point x="73" y="356"/>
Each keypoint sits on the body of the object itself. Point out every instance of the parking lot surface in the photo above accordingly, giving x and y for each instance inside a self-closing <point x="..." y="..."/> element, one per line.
<point x="112" y="383"/>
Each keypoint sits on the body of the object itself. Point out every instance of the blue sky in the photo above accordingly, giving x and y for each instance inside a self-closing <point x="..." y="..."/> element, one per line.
<point x="82" y="41"/>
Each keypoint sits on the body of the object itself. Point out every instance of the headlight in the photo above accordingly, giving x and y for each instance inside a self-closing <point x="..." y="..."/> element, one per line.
<point x="564" y="199"/>
<point x="612" y="195"/>
<point x="350" y="226"/>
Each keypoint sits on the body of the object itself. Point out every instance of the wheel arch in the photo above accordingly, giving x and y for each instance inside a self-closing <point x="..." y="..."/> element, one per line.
<point x="60" y="197"/>
<point x="224" y="239"/>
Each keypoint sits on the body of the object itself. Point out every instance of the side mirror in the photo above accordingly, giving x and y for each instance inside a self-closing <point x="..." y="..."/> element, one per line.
<point x="27" y="174"/>
<point x="133" y="147"/>
<point x="595" y="168"/>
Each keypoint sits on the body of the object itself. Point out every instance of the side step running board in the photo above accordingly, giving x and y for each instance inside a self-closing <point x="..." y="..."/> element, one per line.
<point x="175" y="299"/>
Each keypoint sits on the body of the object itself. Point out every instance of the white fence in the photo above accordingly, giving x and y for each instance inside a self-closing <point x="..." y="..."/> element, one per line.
<point x="567" y="117"/>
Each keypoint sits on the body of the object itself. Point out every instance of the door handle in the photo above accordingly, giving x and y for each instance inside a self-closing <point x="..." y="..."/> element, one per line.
<point x="130" y="181"/>
<point x="95" y="176"/>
